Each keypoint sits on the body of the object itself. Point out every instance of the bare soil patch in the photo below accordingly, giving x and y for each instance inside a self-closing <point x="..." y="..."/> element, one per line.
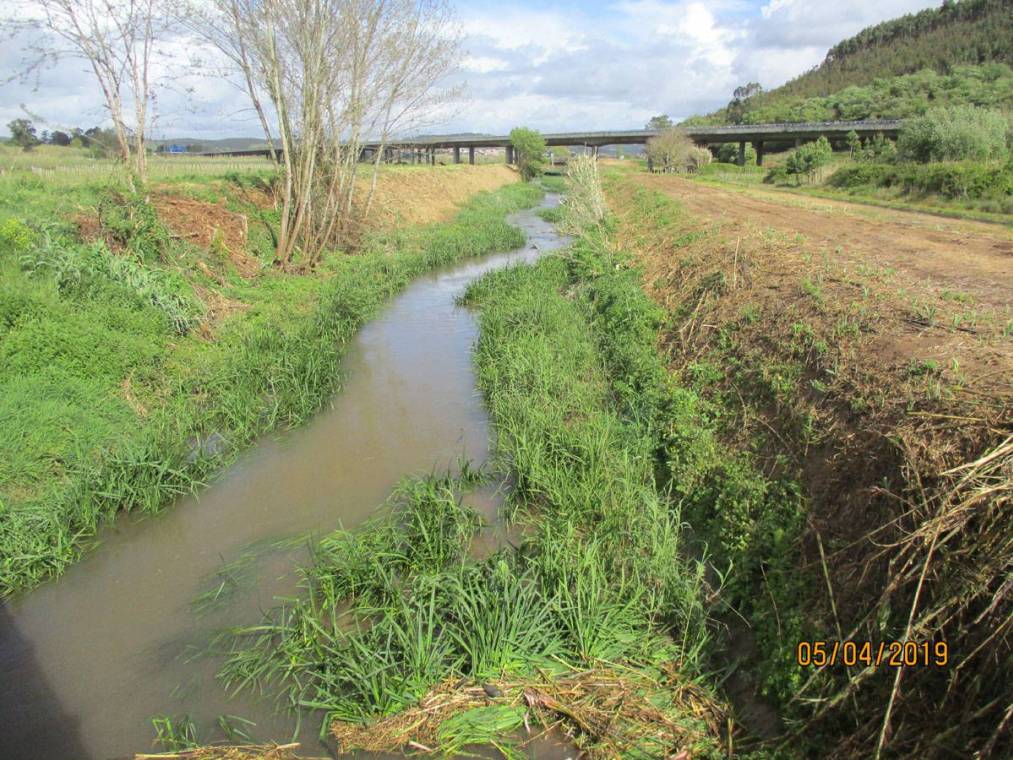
<point x="208" y="226"/>
<point x="972" y="256"/>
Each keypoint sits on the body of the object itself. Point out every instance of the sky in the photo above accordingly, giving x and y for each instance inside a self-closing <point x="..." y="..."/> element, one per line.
<point x="551" y="66"/>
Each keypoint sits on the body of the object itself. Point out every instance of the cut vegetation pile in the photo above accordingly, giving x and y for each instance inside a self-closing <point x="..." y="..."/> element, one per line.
<point x="878" y="398"/>
<point x="134" y="366"/>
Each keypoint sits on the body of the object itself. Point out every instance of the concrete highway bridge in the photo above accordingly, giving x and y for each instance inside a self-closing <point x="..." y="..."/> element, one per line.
<point x="423" y="149"/>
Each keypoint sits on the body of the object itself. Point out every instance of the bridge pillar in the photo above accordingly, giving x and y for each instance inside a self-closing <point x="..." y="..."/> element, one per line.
<point x="759" y="152"/>
<point x="471" y="155"/>
<point x="798" y="142"/>
<point x="432" y="156"/>
<point x="742" y="153"/>
<point x="457" y="154"/>
<point x="510" y="154"/>
<point x="594" y="152"/>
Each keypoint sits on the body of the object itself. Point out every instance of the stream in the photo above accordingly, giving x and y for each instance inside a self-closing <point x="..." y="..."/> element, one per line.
<point x="86" y="660"/>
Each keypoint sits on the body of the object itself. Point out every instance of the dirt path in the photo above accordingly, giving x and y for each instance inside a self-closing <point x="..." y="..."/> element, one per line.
<point x="969" y="257"/>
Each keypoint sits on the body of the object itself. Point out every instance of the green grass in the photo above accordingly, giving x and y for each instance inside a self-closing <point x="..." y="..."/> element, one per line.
<point x="583" y="412"/>
<point x="104" y="397"/>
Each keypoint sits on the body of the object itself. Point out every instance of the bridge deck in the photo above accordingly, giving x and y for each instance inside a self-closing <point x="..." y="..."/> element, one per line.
<point x="832" y="130"/>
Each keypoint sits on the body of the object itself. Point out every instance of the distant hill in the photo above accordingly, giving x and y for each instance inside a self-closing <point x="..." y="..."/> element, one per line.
<point x="227" y="143"/>
<point x="257" y="143"/>
<point x="959" y="43"/>
<point x="451" y="135"/>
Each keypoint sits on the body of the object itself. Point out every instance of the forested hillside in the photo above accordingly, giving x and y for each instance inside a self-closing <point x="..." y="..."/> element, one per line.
<point x="988" y="85"/>
<point x="954" y="54"/>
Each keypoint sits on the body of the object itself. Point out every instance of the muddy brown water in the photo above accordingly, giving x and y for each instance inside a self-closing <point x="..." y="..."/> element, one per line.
<point x="88" y="659"/>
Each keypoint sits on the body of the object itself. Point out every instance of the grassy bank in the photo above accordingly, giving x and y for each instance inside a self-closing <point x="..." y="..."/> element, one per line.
<point x="134" y="366"/>
<point x="590" y="618"/>
<point x="886" y="454"/>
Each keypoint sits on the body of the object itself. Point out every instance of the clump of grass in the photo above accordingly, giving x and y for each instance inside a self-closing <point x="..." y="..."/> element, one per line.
<point x="83" y="271"/>
<point x="553" y="215"/>
<point x="175" y="733"/>
<point x="585" y="202"/>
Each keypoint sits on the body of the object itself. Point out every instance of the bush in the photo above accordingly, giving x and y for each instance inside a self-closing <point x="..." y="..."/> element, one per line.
<point x="728" y="153"/>
<point x="973" y="180"/>
<point x="529" y="146"/>
<point x="956" y="133"/>
<point x="776" y="175"/>
<point x="809" y="159"/>
<point x="15" y="236"/>
<point x="672" y="150"/>
<point x="879" y="149"/>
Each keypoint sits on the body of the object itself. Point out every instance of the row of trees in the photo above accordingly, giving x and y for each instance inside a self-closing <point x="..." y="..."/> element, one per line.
<point x="956" y="133"/>
<point x="323" y="76"/>
<point x="25" y="135"/>
<point x="987" y="85"/>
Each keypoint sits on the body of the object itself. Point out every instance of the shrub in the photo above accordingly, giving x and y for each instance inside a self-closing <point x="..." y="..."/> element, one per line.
<point x="809" y="159"/>
<point x="879" y="149"/>
<point x="955" y="133"/>
<point x="974" y="180"/>
<point x="728" y="153"/>
<point x="15" y="236"/>
<point x="672" y="150"/>
<point x="776" y="175"/>
<point x="529" y="146"/>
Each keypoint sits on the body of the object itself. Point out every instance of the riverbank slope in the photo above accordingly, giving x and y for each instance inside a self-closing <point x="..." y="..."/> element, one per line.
<point x="147" y="340"/>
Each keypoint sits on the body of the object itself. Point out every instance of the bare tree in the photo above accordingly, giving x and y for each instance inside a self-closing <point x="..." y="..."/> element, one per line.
<point x="117" y="38"/>
<point x="338" y="74"/>
<point x="674" y="151"/>
<point x="224" y="25"/>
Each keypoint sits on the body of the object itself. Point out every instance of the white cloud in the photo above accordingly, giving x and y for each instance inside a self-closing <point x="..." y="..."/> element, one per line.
<point x="483" y="64"/>
<point x="554" y="67"/>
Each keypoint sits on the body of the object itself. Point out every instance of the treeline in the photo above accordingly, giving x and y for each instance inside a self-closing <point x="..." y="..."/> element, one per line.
<point x="987" y="85"/>
<point x="955" y="153"/>
<point x="969" y="32"/>
<point x="26" y="135"/>
<point x="959" y="53"/>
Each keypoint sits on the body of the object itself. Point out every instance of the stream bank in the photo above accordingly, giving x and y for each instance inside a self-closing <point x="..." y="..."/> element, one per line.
<point x="118" y="638"/>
